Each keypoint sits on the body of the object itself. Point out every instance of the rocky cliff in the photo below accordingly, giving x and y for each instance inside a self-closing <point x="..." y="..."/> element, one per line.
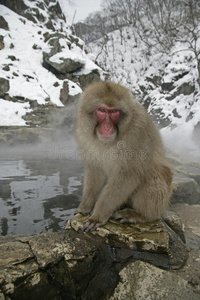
<point x="43" y="65"/>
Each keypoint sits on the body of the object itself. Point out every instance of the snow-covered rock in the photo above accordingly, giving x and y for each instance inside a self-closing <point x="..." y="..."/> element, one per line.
<point x="41" y="59"/>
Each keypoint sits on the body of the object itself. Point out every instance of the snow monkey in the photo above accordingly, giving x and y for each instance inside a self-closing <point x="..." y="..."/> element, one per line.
<point x="126" y="174"/>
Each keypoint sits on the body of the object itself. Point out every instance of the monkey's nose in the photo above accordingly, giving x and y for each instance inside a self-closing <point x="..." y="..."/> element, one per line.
<point x="107" y="126"/>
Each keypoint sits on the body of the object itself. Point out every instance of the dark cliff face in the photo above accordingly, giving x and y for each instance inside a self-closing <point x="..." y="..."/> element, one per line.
<point x="17" y="6"/>
<point x="33" y="14"/>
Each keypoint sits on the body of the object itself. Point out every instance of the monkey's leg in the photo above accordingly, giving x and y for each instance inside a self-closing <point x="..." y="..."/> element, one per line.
<point x="149" y="202"/>
<point x="93" y="182"/>
<point x="114" y="194"/>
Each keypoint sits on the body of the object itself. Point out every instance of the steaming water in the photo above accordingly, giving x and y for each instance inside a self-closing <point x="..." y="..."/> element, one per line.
<point x="37" y="193"/>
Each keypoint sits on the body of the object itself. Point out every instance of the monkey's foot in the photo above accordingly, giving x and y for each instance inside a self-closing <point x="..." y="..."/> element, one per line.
<point x="128" y="215"/>
<point x="90" y="226"/>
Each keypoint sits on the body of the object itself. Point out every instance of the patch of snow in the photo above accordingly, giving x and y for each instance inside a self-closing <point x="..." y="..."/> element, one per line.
<point x="11" y="113"/>
<point x="88" y="67"/>
<point x="74" y="89"/>
<point x="59" y="57"/>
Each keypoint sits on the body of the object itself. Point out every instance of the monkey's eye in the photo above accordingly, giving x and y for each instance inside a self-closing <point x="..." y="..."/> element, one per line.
<point x="114" y="111"/>
<point x="101" y="109"/>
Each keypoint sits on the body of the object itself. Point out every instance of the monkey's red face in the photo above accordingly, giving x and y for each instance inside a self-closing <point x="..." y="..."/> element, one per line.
<point x="107" y="119"/>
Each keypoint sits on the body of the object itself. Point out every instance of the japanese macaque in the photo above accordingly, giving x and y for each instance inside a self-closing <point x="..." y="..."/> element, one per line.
<point x="127" y="176"/>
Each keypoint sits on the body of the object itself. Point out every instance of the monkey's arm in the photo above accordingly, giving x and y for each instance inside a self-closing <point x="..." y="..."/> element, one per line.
<point x="93" y="182"/>
<point x="114" y="194"/>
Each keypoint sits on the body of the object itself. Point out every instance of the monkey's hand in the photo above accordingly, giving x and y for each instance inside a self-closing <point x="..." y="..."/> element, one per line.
<point x="92" y="224"/>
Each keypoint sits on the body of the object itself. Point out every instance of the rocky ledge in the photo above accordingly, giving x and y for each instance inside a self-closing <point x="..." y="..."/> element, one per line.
<point x="79" y="265"/>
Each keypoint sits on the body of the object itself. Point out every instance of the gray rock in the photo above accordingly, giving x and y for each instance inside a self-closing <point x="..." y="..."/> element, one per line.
<point x="53" y="39"/>
<point x="3" y="23"/>
<point x="2" y="45"/>
<point x="186" y="89"/>
<point x="12" y="57"/>
<point x="4" y="86"/>
<point x="196" y="133"/>
<point x="66" y="65"/>
<point x="64" y="94"/>
<point x="86" y="79"/>
<point x="55" y="10"/>
<point x="49" y="25"/>
<point x="185" y="190"/>
<point x="189" y="215"/>
<point x="175" y="223"/>
<point x="167" y="86"/>
<point x="186" y="183"/>
<point x="191" y="170"/>
<point x="141" y="280"/>
<point x="154" y="79"/>
<point x="6" y="68"/>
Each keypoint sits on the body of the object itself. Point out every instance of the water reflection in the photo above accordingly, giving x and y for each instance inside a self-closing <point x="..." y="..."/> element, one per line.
<point x="38" y="195"/>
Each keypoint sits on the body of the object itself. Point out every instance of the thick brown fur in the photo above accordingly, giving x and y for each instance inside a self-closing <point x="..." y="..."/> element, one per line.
<point x="132" y="171"/>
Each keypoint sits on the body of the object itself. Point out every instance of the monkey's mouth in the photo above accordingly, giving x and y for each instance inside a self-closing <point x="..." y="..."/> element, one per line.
<point x="106" y="138"/>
